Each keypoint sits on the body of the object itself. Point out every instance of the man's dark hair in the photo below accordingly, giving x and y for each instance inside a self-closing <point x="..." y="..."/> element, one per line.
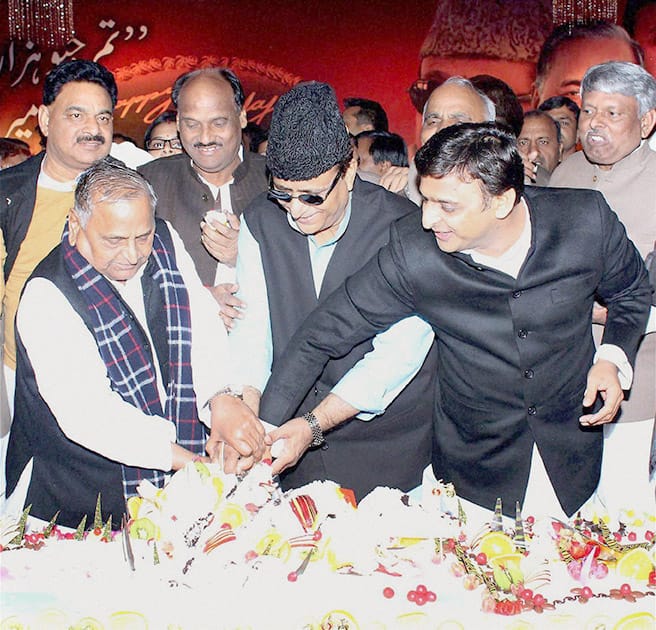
<point x="591" y="31"/>
<point x="224" y="73"/>
<point x="386" y="147"/>
<point x="254" y="136"/>
<point x="538" y="113"/>
<point x="121" y="137"/>
<point x="78" y="70"/>
<point x="475" y="151"/>
<point x="370" y="112"/>
<point x="164" y="117"/>
<point x="508" y="108"/>
<point x="556" y="102"/>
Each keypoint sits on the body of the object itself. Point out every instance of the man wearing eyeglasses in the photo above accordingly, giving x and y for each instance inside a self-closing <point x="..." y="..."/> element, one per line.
<point x="317" y="225"/>
<point x="214" y="173"/>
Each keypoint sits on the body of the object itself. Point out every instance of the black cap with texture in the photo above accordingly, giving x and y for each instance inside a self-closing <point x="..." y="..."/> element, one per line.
<point x="307" y="136"/>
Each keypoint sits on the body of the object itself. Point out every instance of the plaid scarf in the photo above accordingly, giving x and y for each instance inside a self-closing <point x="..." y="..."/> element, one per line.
<point x="129" y="368"/>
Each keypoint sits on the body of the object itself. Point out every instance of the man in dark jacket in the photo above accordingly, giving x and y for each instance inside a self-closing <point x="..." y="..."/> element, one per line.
<point x="507" y="279"/>
<point x="318" y="225"/>
<point x="215" y="173"/>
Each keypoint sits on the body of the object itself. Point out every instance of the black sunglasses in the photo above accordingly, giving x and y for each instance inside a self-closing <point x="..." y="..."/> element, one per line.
<point x="309" y="198"/>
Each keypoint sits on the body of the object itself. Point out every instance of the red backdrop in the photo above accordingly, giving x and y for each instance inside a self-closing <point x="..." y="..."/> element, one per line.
<point x="361" y="48"/>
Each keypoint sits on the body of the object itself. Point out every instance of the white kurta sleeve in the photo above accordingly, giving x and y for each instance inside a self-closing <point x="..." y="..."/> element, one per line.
<point x="72" y="379"/>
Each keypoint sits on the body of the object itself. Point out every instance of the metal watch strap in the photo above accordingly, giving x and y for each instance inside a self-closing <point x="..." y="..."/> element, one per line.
<point x="317" y="433"/>
<point x="229" y="390"/>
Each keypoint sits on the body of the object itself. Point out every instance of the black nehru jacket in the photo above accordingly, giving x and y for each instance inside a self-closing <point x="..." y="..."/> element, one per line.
<point x="513" y="353"/>
<point x="183" y="199"/>
<point x="393" y="448"/>
<point x="67" y="477"/>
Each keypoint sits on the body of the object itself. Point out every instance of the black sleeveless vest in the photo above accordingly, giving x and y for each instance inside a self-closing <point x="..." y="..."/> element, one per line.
<point x="394" y="448"/>
<point x="66" y="476"/>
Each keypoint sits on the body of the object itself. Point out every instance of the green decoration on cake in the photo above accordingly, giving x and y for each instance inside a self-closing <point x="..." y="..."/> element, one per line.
<point x="51" y="525"/>
<point x="18" y="539"/>
<point x="97" y="518"/>
<point x="155" y="553"/>
<point x="107" y="529"/>
<point x="79" y="532"/>
<point x="462" y="517"/>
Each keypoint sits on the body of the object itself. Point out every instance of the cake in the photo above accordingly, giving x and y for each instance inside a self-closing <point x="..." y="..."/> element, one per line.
<point x="211" y="550"/>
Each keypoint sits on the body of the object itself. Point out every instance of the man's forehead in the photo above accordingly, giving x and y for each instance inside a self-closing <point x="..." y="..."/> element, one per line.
<point x="608" y="99"/>
<point x="543" y="125"/>
<point x="451" y="96"/>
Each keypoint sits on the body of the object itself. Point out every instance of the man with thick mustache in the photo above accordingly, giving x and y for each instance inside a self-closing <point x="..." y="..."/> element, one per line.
<point x="76" y="118"/>
<point x="618" y="113"/>
<point x="214" y="173"/>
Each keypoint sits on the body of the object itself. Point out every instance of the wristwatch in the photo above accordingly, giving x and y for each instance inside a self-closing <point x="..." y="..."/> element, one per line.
<point x="317" y="433"/>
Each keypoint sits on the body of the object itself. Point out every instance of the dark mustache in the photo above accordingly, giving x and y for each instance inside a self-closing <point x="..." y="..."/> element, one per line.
<point x="89" y="138"/>
<point x="198" y="145"/>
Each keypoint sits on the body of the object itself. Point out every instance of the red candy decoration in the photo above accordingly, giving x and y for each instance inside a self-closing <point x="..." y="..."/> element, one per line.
<point x="388" y="592"/>
<point x="305" y="510"/>
<point x="481" y="559"/>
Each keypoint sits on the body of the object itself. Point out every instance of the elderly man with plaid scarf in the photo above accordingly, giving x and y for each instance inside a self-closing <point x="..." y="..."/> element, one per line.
<point x="120" y="356"/>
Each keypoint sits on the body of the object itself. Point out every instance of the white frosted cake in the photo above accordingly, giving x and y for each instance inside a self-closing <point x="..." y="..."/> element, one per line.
<point x="212" y="551"/>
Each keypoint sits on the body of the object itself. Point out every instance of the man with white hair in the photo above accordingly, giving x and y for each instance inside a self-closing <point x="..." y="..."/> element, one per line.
<point x="618" y="113"/>
<point x="455" y="101"/>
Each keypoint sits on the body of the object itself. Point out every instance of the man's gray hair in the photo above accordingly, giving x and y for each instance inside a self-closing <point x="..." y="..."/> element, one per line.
<point x="622" y="77"/>
<point x="109" y="180"/>
<point x="490" y="109"/>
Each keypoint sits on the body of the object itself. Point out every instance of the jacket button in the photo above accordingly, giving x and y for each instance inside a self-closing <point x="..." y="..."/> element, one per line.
<point x="532" y="411"/>
<point x="528" y="374"/>
<point x="204" y="197"/>
<point x="516" y="294"/>
<point x="522" y="333"/>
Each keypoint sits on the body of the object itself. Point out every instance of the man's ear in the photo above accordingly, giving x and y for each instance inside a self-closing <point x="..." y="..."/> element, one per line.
<point x="535" y="96"/>
<point x="349" y="176"/>
<point x="647" y="123"/>
<point x="503" y="204"/>
<point x="43" y="116"/>
<point x="74" y="227"/>
<point x="383" y="167"/>
<point x="243" y="119"/>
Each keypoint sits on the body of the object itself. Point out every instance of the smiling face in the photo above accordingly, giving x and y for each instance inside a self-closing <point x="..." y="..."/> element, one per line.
<point x="610" y="127"/>
<point x="462" y="217"/>
<point x="118" y="237"/>
<point x="210" y="126"/>
<point x="321" y="221"/>
<point x="79" y="127"/>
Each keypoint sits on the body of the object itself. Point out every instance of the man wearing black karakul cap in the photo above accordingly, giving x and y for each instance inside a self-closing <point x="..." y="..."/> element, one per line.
<point x="318" y="225"/>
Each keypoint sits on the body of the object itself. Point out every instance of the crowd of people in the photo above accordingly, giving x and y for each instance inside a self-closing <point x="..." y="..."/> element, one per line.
<point x="482" y="313"/>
